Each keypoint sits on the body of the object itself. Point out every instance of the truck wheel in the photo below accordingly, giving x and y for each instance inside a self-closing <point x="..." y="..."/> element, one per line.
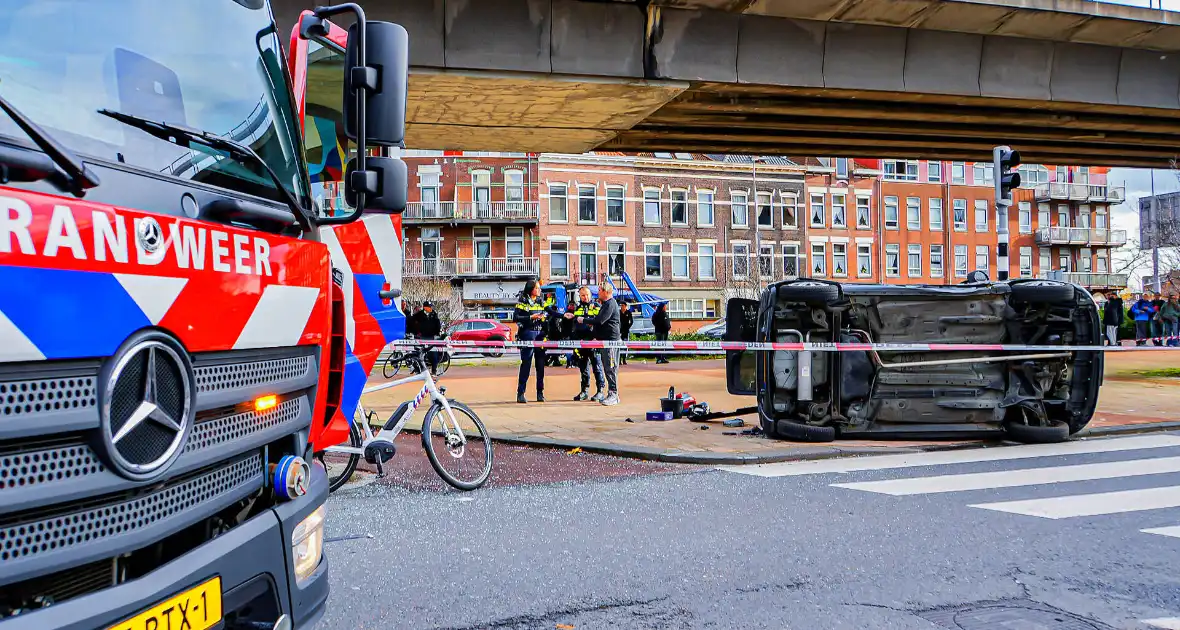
<point x="1055" y="432"/>
<point x="1042" y="292"/>
<point x="804" y="432"/>
<point x="817" y="293"/>
<point x="767" y="426"/>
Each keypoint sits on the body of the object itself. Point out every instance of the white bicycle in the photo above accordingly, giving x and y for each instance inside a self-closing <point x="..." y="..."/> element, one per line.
<point x="448" y="430"/>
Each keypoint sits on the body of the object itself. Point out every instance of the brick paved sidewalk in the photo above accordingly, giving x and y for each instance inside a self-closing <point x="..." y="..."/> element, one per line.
<point x="1125" y="400"/>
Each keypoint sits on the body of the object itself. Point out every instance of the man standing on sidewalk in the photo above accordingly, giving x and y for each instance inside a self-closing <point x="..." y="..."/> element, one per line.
<point x="582" y="330"/>
<point x="606" y="328"/>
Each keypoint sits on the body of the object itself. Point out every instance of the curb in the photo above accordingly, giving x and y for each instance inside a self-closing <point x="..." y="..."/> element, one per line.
<point x="802" y="453"/>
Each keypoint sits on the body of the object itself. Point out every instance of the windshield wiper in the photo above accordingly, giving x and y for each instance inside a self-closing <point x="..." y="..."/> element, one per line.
<point x="171" y="132"/>
<point x="81" y="178"/>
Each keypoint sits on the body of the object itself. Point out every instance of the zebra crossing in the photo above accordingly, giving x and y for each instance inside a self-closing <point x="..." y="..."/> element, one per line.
<point x="1142" y="458"/>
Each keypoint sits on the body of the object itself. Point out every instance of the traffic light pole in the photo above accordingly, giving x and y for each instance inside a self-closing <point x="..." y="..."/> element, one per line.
<point x="1004" y="160"/>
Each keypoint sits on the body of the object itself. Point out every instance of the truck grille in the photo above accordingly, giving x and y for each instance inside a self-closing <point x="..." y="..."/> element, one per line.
<point x="47" y="465"/>
<point x="57" y="532"/>
<point x="33" y="396"/>
<point x="211" y="378"/>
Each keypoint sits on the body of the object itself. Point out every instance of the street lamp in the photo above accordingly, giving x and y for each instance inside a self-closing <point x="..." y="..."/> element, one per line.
<point x="757" y="224"/>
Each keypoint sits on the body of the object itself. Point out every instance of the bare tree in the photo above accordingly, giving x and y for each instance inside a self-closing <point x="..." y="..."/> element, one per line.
<point x="446" y="299"/>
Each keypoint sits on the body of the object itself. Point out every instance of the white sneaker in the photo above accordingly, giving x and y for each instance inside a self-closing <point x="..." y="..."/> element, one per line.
<point x="611" y="399"/>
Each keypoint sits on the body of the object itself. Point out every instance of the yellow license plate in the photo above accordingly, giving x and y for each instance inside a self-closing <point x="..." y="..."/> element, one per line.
<point x="195" y="609"/>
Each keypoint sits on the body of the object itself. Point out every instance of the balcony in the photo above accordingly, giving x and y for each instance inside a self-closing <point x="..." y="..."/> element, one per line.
<point x="470" y="267"/>
<point x="471" y="212"/>
<point x="1089" y="280"/>
<point x="1079" y="192"/>
<point x="1081" y="236"/>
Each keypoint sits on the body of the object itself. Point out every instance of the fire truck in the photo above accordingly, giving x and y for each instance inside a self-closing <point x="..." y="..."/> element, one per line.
<point x="173" y="331"/>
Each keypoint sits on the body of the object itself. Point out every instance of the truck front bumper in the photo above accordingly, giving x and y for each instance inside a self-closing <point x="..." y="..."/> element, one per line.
<point x="253" y="560"/>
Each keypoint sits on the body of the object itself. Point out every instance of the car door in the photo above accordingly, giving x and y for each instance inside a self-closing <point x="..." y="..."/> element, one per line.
<point x="741" y="324"/>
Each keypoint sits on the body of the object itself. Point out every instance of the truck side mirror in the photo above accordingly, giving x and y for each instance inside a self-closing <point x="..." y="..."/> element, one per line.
<point x="388" y="178"/>
<point x="384" y="76"/>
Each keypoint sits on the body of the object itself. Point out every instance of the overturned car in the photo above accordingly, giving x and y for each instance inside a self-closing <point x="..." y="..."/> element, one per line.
<point x="816" y="396"/>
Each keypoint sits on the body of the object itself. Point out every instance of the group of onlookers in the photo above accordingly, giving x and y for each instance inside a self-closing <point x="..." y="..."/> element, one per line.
<point x="1156" y="319"/>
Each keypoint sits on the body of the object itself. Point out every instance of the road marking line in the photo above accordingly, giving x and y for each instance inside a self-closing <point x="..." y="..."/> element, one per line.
<point x="1017" y="478"/>
<point x="1174" y="532"/>
<point x="1091" y="504"/>
<point x="1169" y="623"/>
<point x="940" y="458"/>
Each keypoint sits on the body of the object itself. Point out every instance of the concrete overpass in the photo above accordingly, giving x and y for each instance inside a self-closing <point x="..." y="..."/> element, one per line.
<point x="1065" y="81"/>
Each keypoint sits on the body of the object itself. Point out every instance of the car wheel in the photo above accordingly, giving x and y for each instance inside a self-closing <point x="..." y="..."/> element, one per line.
<point x="498" y="352"/>
<point x="1042" y="291"/>
<point x="809" y="292"/>
<point x="804" y="432"/>
<point x="1055" y="432"/>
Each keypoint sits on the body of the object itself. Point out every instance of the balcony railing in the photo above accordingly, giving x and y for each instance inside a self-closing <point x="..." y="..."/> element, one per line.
<point x="471" y="212"/>
<point x="498" y="266"/>
<point x="1090" y="280"/>
<point x="1079" y="192"/>
<point x="429" y="267"/>
<point x="1081" y="236"/>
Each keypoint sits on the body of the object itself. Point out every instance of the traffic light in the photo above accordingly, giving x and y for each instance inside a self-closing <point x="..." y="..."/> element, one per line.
<point x="1005" y="159"/>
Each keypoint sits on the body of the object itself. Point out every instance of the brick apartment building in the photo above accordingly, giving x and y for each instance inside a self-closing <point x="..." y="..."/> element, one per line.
<point x="698" y="229"/>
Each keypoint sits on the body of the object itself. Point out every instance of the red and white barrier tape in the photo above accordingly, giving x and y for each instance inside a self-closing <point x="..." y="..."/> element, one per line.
<point x="698" y="347"/>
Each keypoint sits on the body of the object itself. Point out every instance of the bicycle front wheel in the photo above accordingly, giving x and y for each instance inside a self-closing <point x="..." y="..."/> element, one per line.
<point x="444" y="364"/>
<point x="466" y="463"/>
<point x="393" y="365"/>
<point x="341" y="466"/>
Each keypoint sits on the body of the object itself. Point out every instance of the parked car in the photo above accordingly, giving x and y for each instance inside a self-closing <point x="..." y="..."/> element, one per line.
<point x="816" y="396"/>
<point x="715" y="329"/>
<point x="480" y="330"/>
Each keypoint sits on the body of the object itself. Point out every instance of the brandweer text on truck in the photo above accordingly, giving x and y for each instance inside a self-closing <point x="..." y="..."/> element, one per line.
<point x="172" y="334"/>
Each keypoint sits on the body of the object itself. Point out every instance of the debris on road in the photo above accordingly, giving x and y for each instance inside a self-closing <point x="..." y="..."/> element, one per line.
<point x="736" y="422"/>
<point x="574" y="451"/>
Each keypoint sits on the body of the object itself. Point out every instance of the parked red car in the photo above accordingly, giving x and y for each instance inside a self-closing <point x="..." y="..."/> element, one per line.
<point x="480" y="330"/>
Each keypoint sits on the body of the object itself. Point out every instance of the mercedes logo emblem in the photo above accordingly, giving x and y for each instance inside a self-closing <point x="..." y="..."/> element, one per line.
<point x="149" y="234"/>
<point x="147" y="406"/>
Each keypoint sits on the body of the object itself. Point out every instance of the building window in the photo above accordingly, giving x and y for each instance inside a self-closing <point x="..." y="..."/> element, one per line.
<point x="429" y="183"/>
<point x="705" y="263"/>
<point x="687" y="308"/>
<point x="679" y="207"/>
<point x="1025" y="262"/>
<point x="1084" y="216"/>
<point x="514" y="242"/>
<point x="1063" y="259"/>
<point x="913" y="213"/>
<point x="1031" y="175"/>
<point x="841" y="168"/>
<point x="1062" y="216"/>
<point x="481" y="187"/>
<point x="1103" y="262"/>
<point x="559" y="259"/>
<point x="1045" y="261"/>
<point x="839" y="218"/>
<point x="766" y="261"/>
<point x="960" y="210"/>
<point x="587" y="204"/>
<point x="958" y="173"/>
<point x="934" y="171"/>
<point x="1025" y="210"/>
<point x="651" y="207"/>
<point x="891" y="213"/>
<point x="765" y="218"/>
<point x="514" y="190"/>
<point x="739" y="209"/>
<point x="616" y="258"/>
<point x="980" y="215"/>
<point x="839" y="259"/>
<point x="790" y="210"/>
<point x="935" y="213"/>
<point x="653" y="267"/>
<point x="981" y="257"/>
<point x="1043" y="220"/>
<point x="901" y="170"/>
<point x="892" y="260"/>
<point x="960" y="261"/>
<point x="588" y="260"/>
<point x="864" y="260"/>
<point x="914" y="261"/>
<point x="1100" y="219"/>
<point x="680" y="261"/>
<point x="791" y="262"/>
<point x="741" y="260"/>
<point x="558" y="210"/>
<point x="705" y="208"/>
<point x="862" y="213"/>
<point x="615" y="212"/>
<point x="983" y="174"/>
<point x="819" y="259"/>
<point x="1084" y="257"/>
<point x="936" y="261"/>
<point x="817" y="210"/>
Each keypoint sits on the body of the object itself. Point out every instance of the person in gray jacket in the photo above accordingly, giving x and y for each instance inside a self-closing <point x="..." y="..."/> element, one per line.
<point x="606" y="328"/>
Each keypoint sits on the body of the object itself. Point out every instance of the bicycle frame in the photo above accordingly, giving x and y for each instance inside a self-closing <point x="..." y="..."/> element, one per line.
<point x="428" y="387"/>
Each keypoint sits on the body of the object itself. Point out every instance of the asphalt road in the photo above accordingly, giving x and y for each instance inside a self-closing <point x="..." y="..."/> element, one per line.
<point x="941" y="540"/>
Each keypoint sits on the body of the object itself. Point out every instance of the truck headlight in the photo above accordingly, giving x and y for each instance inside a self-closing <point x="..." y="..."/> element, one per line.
<point x="307" y="544"/>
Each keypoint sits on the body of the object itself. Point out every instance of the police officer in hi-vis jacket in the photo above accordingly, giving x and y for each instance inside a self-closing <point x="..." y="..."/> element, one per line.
<point x="580" y="329"/>
<point x="530" y="315"/>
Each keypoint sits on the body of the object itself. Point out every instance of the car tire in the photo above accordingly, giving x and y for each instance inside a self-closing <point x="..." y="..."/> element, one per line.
<point x="804" y="432"/>
<point x="809" y="292"/>
<point x="1054" y="433"/>
<point x="497" y="353"/>
<point x="1042" y="292"/>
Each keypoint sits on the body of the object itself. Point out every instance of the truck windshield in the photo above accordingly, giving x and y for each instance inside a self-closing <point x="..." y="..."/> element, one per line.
<point x="213" y="65"/>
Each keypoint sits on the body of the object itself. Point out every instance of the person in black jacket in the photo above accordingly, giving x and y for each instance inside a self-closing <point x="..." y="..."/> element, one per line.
<point x="428" y="326"/>
<point x="663" y="325"/>
<point x="1113" y="315"/>
<point x="606" y="328"/>
<point x="626" y="320"/>
<point x="580" y="329"/>
<point x="531" y="316"/>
